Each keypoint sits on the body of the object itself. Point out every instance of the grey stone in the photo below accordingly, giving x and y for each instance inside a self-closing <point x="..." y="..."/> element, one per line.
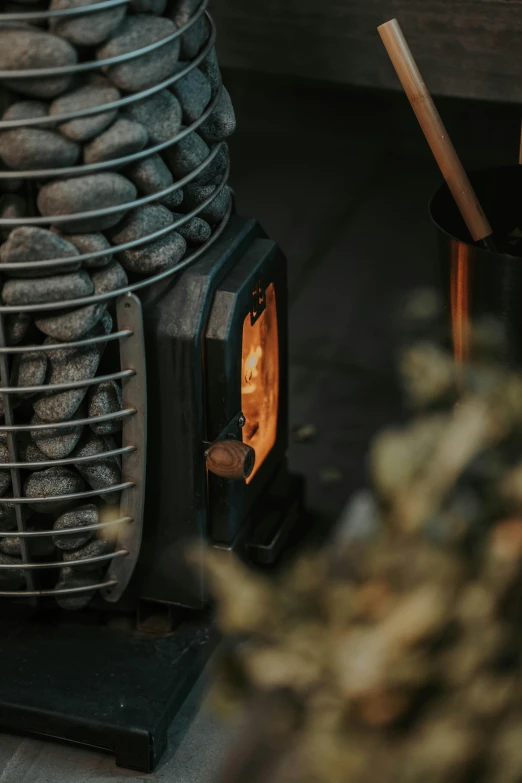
<point x="156" y="7"/>
<point x="34" y="148"/>
<point x="17" y="326"/>
<point x="214" y="171"/>
<point x="26" y="110"/>
<point x="210" y="67"/>
<point x="53" y="482"/>
<point x="7" y="515"/>
<point x="24" y="49"/>
<point x="12" y="207"/>
<point x="29" y="369"/>
<point x="150" y="175"/>
<point x="70" y="325"/>
<point x="92" y="243"/>
<point x="5" y="481"/>
<point x="11" y="185"/>
<point x="213" y="212"/>
<point x="124" y="137"/>
<point x="78" y="517"/>
<point x="195" y="231"/>
<point x="95" y="548"/>
<point x="173" y="199"/>
<point x="11" y="546"/>
<point x="72" y="578"/>
<point x="152" y="257"/>
<point x="86" y="194"/>
<point x="86" y="97"/>
<point x="42" y="546"/>
<point x="28" y="451"/>
<point x="110" y="278"/>
<point x="101" y="473"/>
<point x="194" y="38"/>
<point x="159" y="113"/>
<point x="30" y="243"/>
<point x="221" y="122"/>
<point x="148" y="70"/>
<point x="57" y="288"/>
<point x="194" y="92"/>
<point x="85" y="29"/>
<point x="104" y="399"/>
<point x="11" y="579"/>
<point x="66" y="365"/>
<point x="184" y="156"/>
<point x="57" y="443"/>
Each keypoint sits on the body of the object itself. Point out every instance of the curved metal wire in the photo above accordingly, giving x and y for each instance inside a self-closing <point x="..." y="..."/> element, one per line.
<point x="72" y="496"/>
<point x="62" y="563"/>
<point x="113" y="163"/>
<point x="92" y="65"/>
<point x="53" y="593"/>
<point x="53" y="463"/>
<point x="68" y="424"/>
<point x="60" y="346"/>
<point x="55" y="119"/>
<point x="58" y="387"/>
<point x="142" y="283"/>
<point x="31" y="16"/>
<point x="67" y="532"/>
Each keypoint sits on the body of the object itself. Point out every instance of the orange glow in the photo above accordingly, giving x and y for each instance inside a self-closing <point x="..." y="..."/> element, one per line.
<point x="460" y="304"/>
<point x="260" y="381"/>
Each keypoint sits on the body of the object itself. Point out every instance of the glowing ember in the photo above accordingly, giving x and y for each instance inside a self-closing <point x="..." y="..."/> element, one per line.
<point x="260" y="381"/>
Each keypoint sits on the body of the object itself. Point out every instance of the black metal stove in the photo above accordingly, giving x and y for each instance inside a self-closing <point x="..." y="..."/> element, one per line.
<point x="188" y="334"/>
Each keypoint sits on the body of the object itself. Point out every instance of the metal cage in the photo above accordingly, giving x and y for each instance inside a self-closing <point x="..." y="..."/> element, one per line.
<point x="128" y="333"/>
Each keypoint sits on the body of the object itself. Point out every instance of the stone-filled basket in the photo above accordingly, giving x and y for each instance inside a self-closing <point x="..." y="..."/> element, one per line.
<point x="18" y="534"/>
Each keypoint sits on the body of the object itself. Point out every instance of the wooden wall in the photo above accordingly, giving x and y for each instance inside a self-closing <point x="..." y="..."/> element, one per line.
<point x="470" y="48"/>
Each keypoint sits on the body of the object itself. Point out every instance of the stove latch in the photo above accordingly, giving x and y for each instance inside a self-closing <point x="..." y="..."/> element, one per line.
<point x="228" y="457"/>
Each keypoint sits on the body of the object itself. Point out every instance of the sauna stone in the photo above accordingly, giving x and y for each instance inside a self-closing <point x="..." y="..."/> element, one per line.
<point x="150" y="175"/>
<point x="221" y="123"/>
<point x="29" y="369"/>
<point x="7" y="515"/>
<point x="101" y="473"/>
<point x="92" y="243"/>
<point x="104" y="399"/>
<point x="53" y="482"/>
<point x="28" y="451"/>
<point x="172" y="199"/>
<point x="70" y="325"/>
<point x="72" y="578"/>
<point x="197" y="194"/>
<point x="5" y="481"/>
<point x="123" y="138"/>
<point x="195" y="231"/>
<point x="78" y="517"/>
<point x="155" y="256"/>
<point x="57" y="443"/>
<point x="17" y="326"/>
<point x="86" y="194"/>
<point x="214" y="171"/>
<point x="159" y="113"/>
<point x="24" y="49"/>
<point x="186" y="154"/>
<point x="87" y="97"/>
<point x="58" y="288"/>
<point x="26" y="110"/>
<point x="12" y="207"/>
<point x="145" y="71"/>
<point x="193" y="92"/>
<point x="35" y="148"/>
<point x="12" y="579"/>
<point x="88" y="29"/>
<point x="95" y="548"/>
<point x="66" y="365"/>
<point x="11" y="547"/>
<point x="30" y="243"/>
<point x="194" y="38"/>
<point x="210" y="68"/>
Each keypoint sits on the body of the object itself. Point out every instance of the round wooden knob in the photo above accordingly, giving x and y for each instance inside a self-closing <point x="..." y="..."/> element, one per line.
<point x="231" y="459"/>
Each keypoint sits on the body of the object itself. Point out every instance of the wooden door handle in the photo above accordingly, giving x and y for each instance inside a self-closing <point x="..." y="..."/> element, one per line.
<point x="231" y="459"/>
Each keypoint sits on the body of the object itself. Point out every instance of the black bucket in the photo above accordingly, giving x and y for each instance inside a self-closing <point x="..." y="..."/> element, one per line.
<point x="478" y="283"/>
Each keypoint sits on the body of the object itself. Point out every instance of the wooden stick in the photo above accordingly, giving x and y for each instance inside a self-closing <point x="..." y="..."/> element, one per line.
<point x="435" y="132"/>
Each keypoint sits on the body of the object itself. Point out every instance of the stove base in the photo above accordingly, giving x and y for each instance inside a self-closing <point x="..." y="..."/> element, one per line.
<point x="99" y="685"/>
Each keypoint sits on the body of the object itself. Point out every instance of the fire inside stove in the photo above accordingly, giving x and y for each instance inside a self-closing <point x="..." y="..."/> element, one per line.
<point x="260" y="380"/>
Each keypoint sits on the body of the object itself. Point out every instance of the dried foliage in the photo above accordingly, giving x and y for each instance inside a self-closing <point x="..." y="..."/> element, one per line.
<point x="394" y="655"/>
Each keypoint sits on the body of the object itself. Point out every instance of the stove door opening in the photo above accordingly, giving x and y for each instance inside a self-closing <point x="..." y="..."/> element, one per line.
<point x="260" y="380"/>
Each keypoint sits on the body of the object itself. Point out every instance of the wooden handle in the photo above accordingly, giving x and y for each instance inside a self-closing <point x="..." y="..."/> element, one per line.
<point x="231" y="459"/>
<point x="434" y="130"/>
